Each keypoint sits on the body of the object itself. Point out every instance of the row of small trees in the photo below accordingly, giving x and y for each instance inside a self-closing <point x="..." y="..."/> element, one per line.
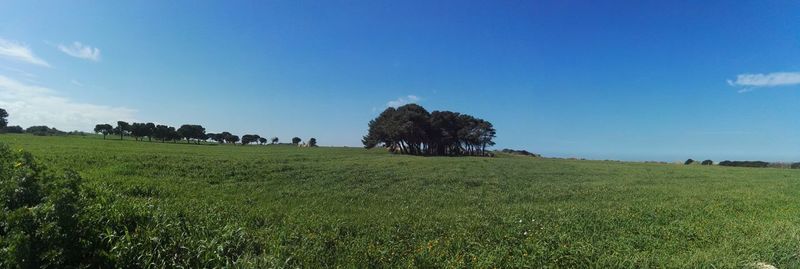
<point x="410" y="129"/>
<point x="706" y="162"/>
<point x="189" y="132"/>
<point x="40" y="130"/>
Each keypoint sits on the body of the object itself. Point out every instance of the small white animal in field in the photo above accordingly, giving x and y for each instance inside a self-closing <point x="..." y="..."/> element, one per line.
<point x="763" y="265"/>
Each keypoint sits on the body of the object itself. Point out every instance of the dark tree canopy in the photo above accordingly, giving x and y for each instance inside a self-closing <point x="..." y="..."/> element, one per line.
<point x="689" y="161"/>
<point x="232" y="139"/>
<point x="151" y="129"/>
<point x="139" y="130"/>
<point x="410" y="129"/>
<point x="165" y="133"/>
<point x="44" y="131"/>
<point x="224" y="137"/>
<point x="707" y="162"/>
<point x="3" y="120"/>
<point x="214" y="137"/>
<point x="14" y="129"/>
<point x="192" y="132"/>
<point x="104" y="129"/>
<point x="312" y="142"/>
<point x="296" y="140"/>
<point x="123" y="128"/>
<point x="759" y="164"/>
<point x="249" y="138"/>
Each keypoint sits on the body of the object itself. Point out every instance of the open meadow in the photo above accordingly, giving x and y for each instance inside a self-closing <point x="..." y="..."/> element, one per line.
<point x="163" y="204"/>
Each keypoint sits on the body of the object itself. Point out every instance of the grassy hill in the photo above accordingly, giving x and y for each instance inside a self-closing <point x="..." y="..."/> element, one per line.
<point x="282" y="206"/>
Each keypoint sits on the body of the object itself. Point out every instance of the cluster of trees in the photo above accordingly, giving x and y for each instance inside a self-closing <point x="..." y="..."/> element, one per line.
<point x="4" y="128"/>
<point x="12" y="129"/>
<point x="44" y="130"/>
<point x="758" y="164"/>
<point x="189" y="132"/>
<point x="706" y="162"/>
<point x="410" y="129"/>
<point x="40" y="130"/>
<point x="3" y="120"/>
<point x="762" y="164"/>
<point x="521" y="152"/>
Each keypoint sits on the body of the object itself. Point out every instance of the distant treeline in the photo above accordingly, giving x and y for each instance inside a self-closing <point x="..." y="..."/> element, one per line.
<point x="520" y="152"/>
<point x="758" y="164"/>
<point x="40" y="130"/>
<point x="754" y="164"/>
<point x="410" y="129"/>
<point x="192" y="133"/>
<point x="138" y="130"/>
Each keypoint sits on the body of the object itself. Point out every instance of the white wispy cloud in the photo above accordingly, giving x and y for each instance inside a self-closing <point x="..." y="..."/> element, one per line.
<point x="29" y="105"/>
<point x="82" y="51"/>
<point x="19" y="52"/>
<point x="751" y="81"/>
<point x="76" y="83"/>
<point x="403" y="101"/>
<point x="18" y="71"/>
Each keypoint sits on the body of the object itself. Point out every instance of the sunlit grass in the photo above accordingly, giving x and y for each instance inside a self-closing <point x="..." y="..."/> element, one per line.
<point x="352" y="207"/>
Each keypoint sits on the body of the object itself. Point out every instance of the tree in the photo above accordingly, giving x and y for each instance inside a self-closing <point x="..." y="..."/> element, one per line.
<point x="689" y="161"/>
<point x="3" y="120"/>
<point x="312" y="142"/>
<point x="214" y="137"/>
<point x="165" y="133"/>
<point x="44" y="130"/>
<point x="248" y="138"/>
<point x="444" y="137"/>
<point x="275" y="140"/>
<point x="707" y="162"/>
<point x="173" y="135"/>
<point x="232" y="139"/>
<point x="122" y="129"/>
<point x="262" y="140"/>
<point x="296" y="140"/>
<point x="192" y="131"/>
<point x="151" y="129"/>
<point x="139" y="130"/>
<point x="14" y="129"/>
<point x="410" y="129"/>
<point x="104" y="129"/>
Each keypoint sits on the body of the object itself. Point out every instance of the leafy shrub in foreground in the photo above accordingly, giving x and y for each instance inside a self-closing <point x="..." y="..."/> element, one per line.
<point x="48" y="221"/>
<point x="40" y="226"/>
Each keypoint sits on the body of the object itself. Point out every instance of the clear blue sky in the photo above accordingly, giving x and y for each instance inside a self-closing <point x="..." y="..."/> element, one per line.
<point x="631" y="80"/>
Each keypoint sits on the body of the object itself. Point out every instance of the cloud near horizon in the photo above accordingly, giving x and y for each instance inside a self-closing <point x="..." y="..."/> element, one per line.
<point x="81" y="51"/>
<point x="20" y="52"/>
<point x="403" y="101"/>
<point x="29" y="105"/>
<point x="752" y="81"/>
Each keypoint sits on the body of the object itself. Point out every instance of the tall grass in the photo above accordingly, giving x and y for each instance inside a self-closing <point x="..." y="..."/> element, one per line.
<point x="178" y="205"/>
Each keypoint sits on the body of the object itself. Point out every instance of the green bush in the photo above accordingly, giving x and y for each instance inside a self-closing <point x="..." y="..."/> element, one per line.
<point x="40" y="225"/>
<point x="49" y="221"/>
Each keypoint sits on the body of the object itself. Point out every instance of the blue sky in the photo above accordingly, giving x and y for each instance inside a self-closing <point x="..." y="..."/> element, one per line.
<point x="630" y="80"/>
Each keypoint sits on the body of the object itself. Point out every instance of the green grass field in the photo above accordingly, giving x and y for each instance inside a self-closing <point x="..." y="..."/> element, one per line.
<point x="282" y="206"/>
